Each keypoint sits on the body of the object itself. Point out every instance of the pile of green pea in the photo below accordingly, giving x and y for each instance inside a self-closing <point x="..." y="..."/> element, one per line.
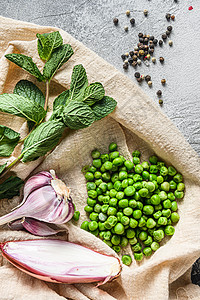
<point x="131" y="202"/>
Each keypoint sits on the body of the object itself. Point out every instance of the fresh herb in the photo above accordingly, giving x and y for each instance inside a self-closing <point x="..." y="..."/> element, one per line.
<point x="8" y="140"/>
<point x="47" y="43"/>
<point x="104" y="107"/>
<point x="2" y="167"/>
<point x="10" y="187"/>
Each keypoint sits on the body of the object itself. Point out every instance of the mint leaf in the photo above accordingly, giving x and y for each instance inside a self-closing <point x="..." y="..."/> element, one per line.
<point x="78" y="84"/>
<point x="61" y="99"/>
<point x="58" y="58"/>
<point x="77" y="115"/>
<point x="2" y="167"/>
<point x="8" y="140"/>
<point x="104" y="107"/>
<point x="26" y="63"/>
<point x="57" y="113"/>
<point x="48" y="43"/>
<point x="21" y="107"/>
<point x="29" y="90"/>
<point x="10" y="187"/>
<point x="41" y="140"/>
<point x="93" y="93"/>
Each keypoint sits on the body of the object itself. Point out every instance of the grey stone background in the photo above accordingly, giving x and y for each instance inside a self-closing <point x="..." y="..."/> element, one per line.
<point x="91" y="22"/>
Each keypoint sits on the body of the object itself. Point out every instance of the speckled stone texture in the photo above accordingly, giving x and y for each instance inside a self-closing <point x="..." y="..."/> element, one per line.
<point x="90" y="22"/>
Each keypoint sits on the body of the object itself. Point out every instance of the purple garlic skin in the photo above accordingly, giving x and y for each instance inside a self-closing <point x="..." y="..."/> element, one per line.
<point x="46" y="198"/>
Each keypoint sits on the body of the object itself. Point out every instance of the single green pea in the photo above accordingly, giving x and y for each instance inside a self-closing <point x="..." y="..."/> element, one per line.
<point x="92" y="169"/>
<point x="107" y="235"/>
<point x="102" y="217"/>
<point x="148" y="209"/>
<point x="84" y="225"/>
<point x="88" y="209"/>
<point x="118" y="161"/>
<point x="92" y="194"/>
<point x="175" y="217"/>
<point x="147" y="251"/>
<point x="104" y="208"/>
<point x="155" y="199"/>
<point x="119" y="215"/>
<point x="129" y="165"/>
<point x="100" y="198"/>
<point x="138" y="169"/>
<point x="169" y="222"/>
<point x="178" y="178"/>
<point x="133" y="223"/>
<point x="155" y="183"/>
<point x="123" y="203"/>
<point x="106" y="176"/>
<point x="113" y="155"/>
<point x="113" y="193"/>
<point x="110" y="222"/>
<point x="136" y="153"/>
<point x="153" y="159"/>
<point x="133" y="241"/>
<point x="101" y="235"/>
<point x="153" y="177"/>
<point x="153" y="169"/>
<point x="91" y="202"/>
<point x="169" y="230"/>
<point x="167" y="203"/>
<point x="93" y="225"/>
<point x="91" y="186"/>
<point x="108" y="243"/>
<point x="130" y="181"/>
<point x="150" y="186"/>
<point x="173" y="185"/>
<point x="150" y="223"/>
<point x="129" y="191"/>
<point x="143" y="192"/>
<point x="157" y="214"/>
<point x="124" y="241"/>
<point x="103" y="186"/>
<point x="138" y="185"/>
<point x="136" y="160"/>
<point x="123" y="159"/>
<point x="116" y="239"/>
<point x="126" y="260"/>
<point x="97" y="208"/>
<point x="145" y="165"/>
<point x="85" y="169"/>
<point x="172" y="171"/>
<point x="155" y="246"/>
<point x="166" y="213"/>
<point x="158" y="207"/>
<point x="111" y="211"/>
<point x="148" y="241"/>
<point x="114" y="177"/>
<point x="110" y="185"/>
<point x="94" y="216"/>
<point x="108" y="165"/>
<point x="89" y="176"/>
<point x="137" y="214"/>
<point x="137" y="196"/>
<point x="130" y="175"/>
<point x="114" y="169"/>
<point x="158" y="235"/>
<point x="117" y="248"/>
<point x="122" y="168"/>
<point x="162" y="195"/>
<point x="143" y="235"/>
<point x="163" y="171"/>
<point x="130" y="233"/>
<point x="160" y="164"/>
<point x="171" y="196"/>
<point x="112" y="147"/>
<point x="137" y="177"/>
<point x="160" y="179"/>
<point x="125" y="183"/>
<point x="141" y="222"/>
<point x="99" y="191"/>
<point x="95" y="154"/>
<point x="174" y="206"/>
<point x="162" y="221"/>
<point x="140" y="205"/>
<point x="138" y="256"/>
<point x="113" y="202"/>
<point x="165" y="186"/>
<point x="104" y="158"/>
<point x="102" y="169"/>
<point x="95" y="232"/>
<point x="119" y="228"/>
<point x="132" y="203"/>
<point x="118" y="185"/>
<point x="123" y="175"/>
<point x="178" y="195"/>
<point x="106" y="199"/>
<point x="128" y="211"/>
<point x="125" y="220"/>
<point x="97" y="163"/>
<point x="145" y="175"/>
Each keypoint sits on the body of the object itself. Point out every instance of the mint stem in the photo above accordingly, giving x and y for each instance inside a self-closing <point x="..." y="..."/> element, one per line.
<point x="47" y="95"/>
<point x="11" y="165"/>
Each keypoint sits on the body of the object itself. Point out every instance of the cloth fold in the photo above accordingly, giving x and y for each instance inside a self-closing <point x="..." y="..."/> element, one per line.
<point x="136" y="123"/>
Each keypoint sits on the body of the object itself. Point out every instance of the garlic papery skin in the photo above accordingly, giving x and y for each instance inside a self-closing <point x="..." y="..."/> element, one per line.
<point x="61" y="261"/>
<point x="46" y="198"/>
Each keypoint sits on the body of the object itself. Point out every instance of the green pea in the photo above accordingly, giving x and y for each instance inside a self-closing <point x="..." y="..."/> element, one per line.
<point x="129" y="191"/>
<point x="123" y="168"/>
<point x="152" y="177"/>
<point x="113" y="155"/>
<point x="97" y="163"/>
<point x="148" y="209"/>
<point x="158" y="207"/>
<point x="166" y="213"/>
<point x="123" y="203"/>
<point x="138" y="256"/>
<point x="137" y="177"/>
<point x="103" y="186"/>
<point x="119" y="215"/>
<point x="171" y="196"/>
<point x="145" y="165"/>
<point x="89" y="176"/>
<point x="137" y="196"/>
<point x="108" y="243"/>
<point x="133" y="241"/>
<point x="106" y="199"/>
<point x="178" y="195"/>
<point x="126" y="260"/>
<point x="171" y="171"/>
<point x="104" y="157"/>
<point x="130" y="175"/>
<point x="113" y="193"/>
<point x="101" y="235"/>
<point x="150" y="223"/>
<point x="99" y="191"/>
<point x="117" y="248"/>
<point x="175" y="217"/>
<point x="97" y="175"/>
<point x="130" y="181"/>
<point x="108" y="165"/>
<point x="91" y="202"/>
<point x="147" y="251"/>
<point x="136" y="153"/>
<point x="113" y="202"/>
<point x="97" y="208"/>
<point x="100" y="198"/>
<point x="178" y="178"/>
<point x="91" y="186"/>
<point x="106" y="176"/>
<point x="143" y="235"/>
<point x="160" y="164"/>
<point x="162" y="221"/>
<point x="84" y="225"/>
<point x="123" y="175"/>
<point x="92" y="194"/>
<point x="138" y="169"/>
<point x="155" y="199"/>
<point x="132" y="203"/>
<point x="125" y="183"/>
<point x="88" y="209"/>
<point x="112" y="147"/>
<point x="119" y="228"/>
<point x="133" y="223"/>
<point x="150" y="186"/>
<point x="153" y="169"/>
<point x="137" y="214"/>
<point x="110" y="222"/>
<point x="162" y="195"/>
<point x="141" y="222"/>
<point x="130" y="233"/>
<point x="172" y="184"/>
<point x="125" y="220"/>
<point x="102" y="217"/>
<point x="116" y="239"/>
<point x="160" y="179"/>
<point x="167" y="203"/>
<point x="114" y="177"/>
<point x="92" y="169"/>
<point x="140" y="205"/>
<point x="118" y="161"/>
<point x="129" y="165"/>
<point x="169" y="230"/>
<point x="155" y="246"/>
<point x="95" y="232"/>
<point x="93" y="225"/>
<point x="124" y="241"/>
<point x="148" y="241"/>
<point x="165" y="186"/>
<point x="157" y="214"/>
<point x="163" y="171"/>
<point x="158" y="235"/>
<point x="111" y="211"/>
<point x="95" y="154"/>
<point x="107" y="235"/>
<point x="169" y="222"/>
<point x="127" y="211"/>
<point x="98" y="182"/>
<point x="153" y="159"/>
<point x="136" y="160"/>
<point x="104" y="208"/>
<point x="174" y="206"/>
<point x="145" y="175"/>
<point x="143" y="192"/>
<point x="118" y="186"/>
<point x="94" y="216"/>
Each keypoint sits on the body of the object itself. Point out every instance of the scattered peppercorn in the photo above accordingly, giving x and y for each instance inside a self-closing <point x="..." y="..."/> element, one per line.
<point x="159" y="93"/>
<point x="151" y="38"/>
<point x="140" y="34"/>
<point x="128" y="12"/>
<point x="149" y="83"/>
<point x="147" y="78"/>
<point x="141" y="52"/>
<point x="134" y="64"/>
<point x="125" y="66"/>
<point x="164" y="36"/>
<point x="126" y="28"/>
<point x="160" y="101"/>
<point x="126" y="61"/>
<point x="155" y="41"/>
<point x="163" y="81"/>
<point x="151" y="51"/>
<point x="167" y="32"/>
<point x="139" y="80"/>
<point x="169" y="28"/>
<point x="145" y="12"/>
<point x="132" y="21"/>
<point x="127" y="54"/>
<point x="161" y="59"/>
<point x="130" y="60"/>
<point x="153" y="59"/>
<point x="139" y="61"/>
<point x="134" y="57"/>
<point x="160" y="42"/>
<point x="170" y="42"/>
<point x="168" y="16"/>
<point x="115" y="21"/>
<point x="123" y="56"/>
<point x="131" y="53"/>
<point x="173" y="17"/>
<point x="137" y="75"/>
<point x="141" y="40"/>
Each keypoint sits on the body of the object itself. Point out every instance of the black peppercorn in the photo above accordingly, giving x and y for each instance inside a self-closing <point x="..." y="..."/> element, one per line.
<point x="130" y="60"/>
<point x="167" y="32"/>
<point x="140" y="34"/>
<point x="155" y="41"/>
<point x="168" y="16"/>
<point x="134" y="64"/>
<point x="169" y="28"/>
<point x="137" y="75"/>
<point x="160" y="101"/>
<point x="164" y="36"/>
<point x="161" y="59"/>
<point x="159" y="93"/>
<point x="115" y="21"/>
<point x="146" y="41"/>
<point x="160" y="42"/>
<point x="134" y="57"/>
<point x="141" y="40"/>
<point x="131" y="53"/>
<point x="151" y="51"/>
<point x="146" y="47"/>
<point x="151" y="46"/>
<point x="151" y="37"/>
<point x="125" y="66"/>
<point x="139" y="80"/>
<point x="123" y="56"/>
<point x="132" y="21"/>
<point x="147" y="78"/>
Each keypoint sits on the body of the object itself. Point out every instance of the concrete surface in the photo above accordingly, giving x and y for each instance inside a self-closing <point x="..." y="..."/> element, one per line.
<point x="90" y="21"/>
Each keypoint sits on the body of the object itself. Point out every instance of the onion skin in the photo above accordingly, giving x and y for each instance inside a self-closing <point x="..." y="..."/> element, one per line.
<point x="46" y="260"/>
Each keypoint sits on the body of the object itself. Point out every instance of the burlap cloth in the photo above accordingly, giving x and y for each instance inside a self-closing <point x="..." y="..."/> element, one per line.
<point x="137" y="123"/>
